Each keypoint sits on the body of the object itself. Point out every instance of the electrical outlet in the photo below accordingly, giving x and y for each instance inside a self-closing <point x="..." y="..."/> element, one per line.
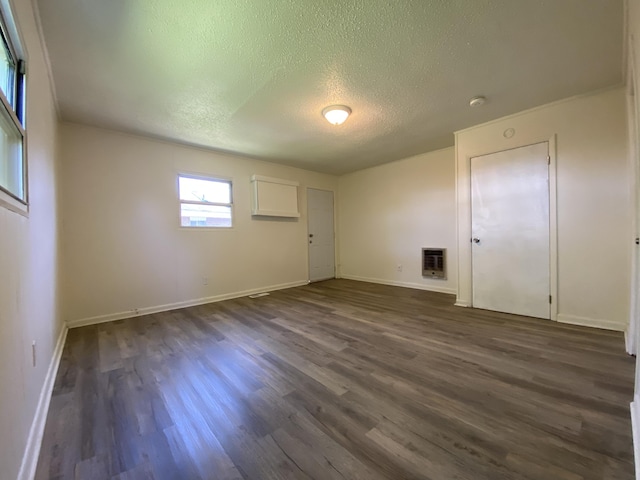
<point x="33" y="352"/>
<point x="399" y="267"/>
<point x="205" y="280"/>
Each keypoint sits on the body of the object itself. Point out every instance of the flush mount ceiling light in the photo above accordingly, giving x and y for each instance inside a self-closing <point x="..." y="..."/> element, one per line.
<point x="336" y="114"/>
<point x="477" y="101"/>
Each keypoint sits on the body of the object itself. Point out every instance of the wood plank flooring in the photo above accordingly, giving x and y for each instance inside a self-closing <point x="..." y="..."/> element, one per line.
<point x="340" y="380"/>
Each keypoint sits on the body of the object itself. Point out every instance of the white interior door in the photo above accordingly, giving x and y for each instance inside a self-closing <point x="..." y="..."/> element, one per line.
<point x="321" y="237"/>
<point x="510" y="231"/>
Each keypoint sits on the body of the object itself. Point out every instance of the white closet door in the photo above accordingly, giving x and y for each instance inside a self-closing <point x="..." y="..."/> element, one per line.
<point x="510" y="231"/>
<point x="321" y="237"/>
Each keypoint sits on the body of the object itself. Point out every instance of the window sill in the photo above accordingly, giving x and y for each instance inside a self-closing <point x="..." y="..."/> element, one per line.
<point x="183" y="227"/>
<point x="16" y="206"/>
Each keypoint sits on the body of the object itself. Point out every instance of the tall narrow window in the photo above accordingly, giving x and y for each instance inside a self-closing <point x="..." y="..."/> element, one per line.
<point x="13" y="169"/>
<point x="204" y="201"/>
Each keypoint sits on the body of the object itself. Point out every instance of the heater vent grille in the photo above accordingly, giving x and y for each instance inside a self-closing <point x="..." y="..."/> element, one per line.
<point x="434" y="263"/>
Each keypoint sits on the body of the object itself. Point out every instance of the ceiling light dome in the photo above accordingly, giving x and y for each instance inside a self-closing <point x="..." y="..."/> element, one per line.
<point x="477" y="101"/>
<point x="336" y="114"/>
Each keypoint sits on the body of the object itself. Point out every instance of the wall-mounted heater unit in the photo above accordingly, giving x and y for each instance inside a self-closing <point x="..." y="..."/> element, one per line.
<point x="434" y="263"/>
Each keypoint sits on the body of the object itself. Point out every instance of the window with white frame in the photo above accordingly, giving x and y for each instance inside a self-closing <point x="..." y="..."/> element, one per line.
<point x="13" y="168"/>
<point x="205" y="201"/>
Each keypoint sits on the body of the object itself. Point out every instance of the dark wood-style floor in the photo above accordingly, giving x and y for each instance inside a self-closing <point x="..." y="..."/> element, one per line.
<point x="340" y="380"/>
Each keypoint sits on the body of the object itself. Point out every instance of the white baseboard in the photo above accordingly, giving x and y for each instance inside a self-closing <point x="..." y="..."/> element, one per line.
<point x="36" y="432"/>
<point x="418" y="286"/>
<point x="591" y="322"/>
<point x="173" y="306"/>
<point x="462" y="303"/>
<point x="628" y="342"/>
<point x="635" y="431"/>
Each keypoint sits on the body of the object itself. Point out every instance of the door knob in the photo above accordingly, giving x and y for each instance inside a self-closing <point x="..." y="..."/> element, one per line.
<point x="475" y="240"/>
<point x="311" y="235"/>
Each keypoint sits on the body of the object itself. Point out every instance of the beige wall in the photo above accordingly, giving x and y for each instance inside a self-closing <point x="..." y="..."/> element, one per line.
<point x="123" y="248"/>
<point x="387" y="214"/>
<point x="28" y="265"/>
<point x="593" y="201"/>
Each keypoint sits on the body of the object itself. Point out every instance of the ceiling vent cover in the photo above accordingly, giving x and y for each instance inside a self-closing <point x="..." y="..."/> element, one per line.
<point x="434" y="263"/>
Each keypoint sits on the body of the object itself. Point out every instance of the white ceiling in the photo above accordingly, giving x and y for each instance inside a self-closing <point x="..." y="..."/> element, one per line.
<point x="252" y="76"/>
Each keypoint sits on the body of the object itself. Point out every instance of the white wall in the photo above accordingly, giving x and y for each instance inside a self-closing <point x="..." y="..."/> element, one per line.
<point x="593" y="201"/>
<point x="387" y="214"/>
<point x="28" y="265"/>
<point x="123" y="248"/>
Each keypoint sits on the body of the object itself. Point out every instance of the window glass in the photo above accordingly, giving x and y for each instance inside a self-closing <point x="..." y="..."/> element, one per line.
<point x="13" y="166"/>
<point x="11" y="162"/>
<point x="194" y="215"/>
<point x="201" y="190"/>
<point x="204" y="202"/>
<point x="7" y="73"/>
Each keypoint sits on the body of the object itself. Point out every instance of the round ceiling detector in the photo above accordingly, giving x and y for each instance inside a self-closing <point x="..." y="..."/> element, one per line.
<point x="477" y="101"/>
<point x="336" y="114"/>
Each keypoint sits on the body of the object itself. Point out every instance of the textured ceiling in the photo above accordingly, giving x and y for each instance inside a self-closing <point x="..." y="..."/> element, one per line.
<point x="252" y="76"/>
